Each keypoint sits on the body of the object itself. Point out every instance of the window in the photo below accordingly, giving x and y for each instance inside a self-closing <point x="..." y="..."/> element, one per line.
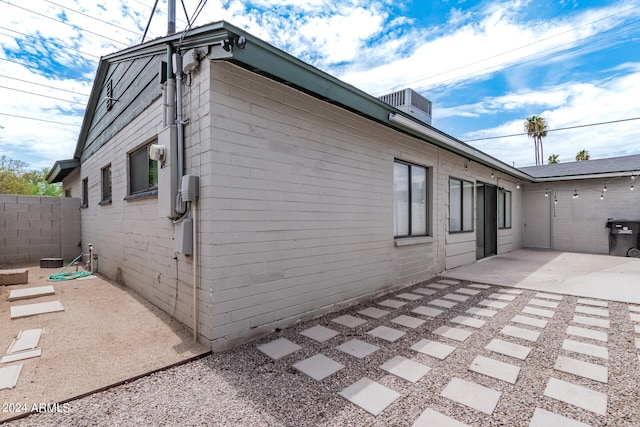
<point x="504" y="209"/>
<point x="85" y="193"/>
<point x="143" y="172"/>
<point x="409" y="200"/>
<point x="106" y="185"/>
<point x="460" y="205"/>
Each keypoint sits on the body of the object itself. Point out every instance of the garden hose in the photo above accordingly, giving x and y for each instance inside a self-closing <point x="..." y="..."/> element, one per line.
<point x="62" y="276"/>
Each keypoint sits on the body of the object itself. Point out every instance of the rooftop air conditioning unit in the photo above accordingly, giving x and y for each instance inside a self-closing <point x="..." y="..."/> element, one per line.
<point x="411" y="102"/>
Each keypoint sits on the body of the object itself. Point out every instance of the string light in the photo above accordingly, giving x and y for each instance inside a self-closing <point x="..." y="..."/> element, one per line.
<point x="631" y="187"/>
<point x="602" y="195"/>
<point x="604" y="189"/>
<point x="518" y="186"/>
<point x="575" y="194"/>
<point x="555" y="201"/>
<point x="546" y="193"/>
<point x="493" y="175"/>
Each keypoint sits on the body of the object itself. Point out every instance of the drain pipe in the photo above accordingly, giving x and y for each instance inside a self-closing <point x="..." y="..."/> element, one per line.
<point x="194" y="210"/>
<point x="180" y="206"/>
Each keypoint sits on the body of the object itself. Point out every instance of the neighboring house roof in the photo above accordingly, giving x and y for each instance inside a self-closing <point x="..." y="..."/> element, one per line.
<point x="61" y="169"/>
<point x="217" y="39"/>
<point x="598" y="168"/>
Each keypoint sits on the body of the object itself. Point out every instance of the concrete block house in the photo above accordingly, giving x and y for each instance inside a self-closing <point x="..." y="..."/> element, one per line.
<point x="240" y="189"/>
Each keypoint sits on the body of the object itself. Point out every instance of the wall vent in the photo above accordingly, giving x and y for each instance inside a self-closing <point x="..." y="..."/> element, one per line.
<point x="411" y="102"/>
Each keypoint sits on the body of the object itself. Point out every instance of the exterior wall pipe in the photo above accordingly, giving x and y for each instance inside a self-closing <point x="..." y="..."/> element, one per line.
<point x="194" y="210"/>
<point x="179" y="127"/>
<point x="170" y="104"/>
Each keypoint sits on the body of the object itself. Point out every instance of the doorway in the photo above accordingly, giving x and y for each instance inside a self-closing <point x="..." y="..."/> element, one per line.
<point x="486" y="220"/>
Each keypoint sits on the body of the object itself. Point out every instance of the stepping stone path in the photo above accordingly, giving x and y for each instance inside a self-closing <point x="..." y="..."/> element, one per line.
<point x="424" y="332"/>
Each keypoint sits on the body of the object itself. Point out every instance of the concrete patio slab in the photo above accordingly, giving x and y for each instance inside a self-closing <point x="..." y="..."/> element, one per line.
<point x="409" y="296"/>
<point x="493" y="303"/>
<point x="577" y="395"/>
<point x="431" y="418"/>
<point x="406" y="369"/>
<point x="634" y="308"/>
<point x="374" y="312"/>
<point x="482" y="312"/>
<point x="479" y="286"/>
<point x="39" y="291"/>
<point x="468" y="291"/>
<point x="442" y="303"/>
<point x="469" y="321"/>
<point x="349" y="321"/>
<point x="503" y="296"/>
<point x="425" y="291"/>
<point x="582" y="275"/>
<point x="438" y="286"/>
<point x="543" y="303"/>
<point x="453" y="333"/>
<point x="635" y="317"/>
<point x="408" y="321"/>
<point x="449" y="282"/>
<point x="386" y="333"/>
<point x="318" y="367"/>
<point x="554" y="297"/>
<point x="456" y="297"/>
<point x="472" y="395"/>
<point x="587" y="333"/>
<point x="27" y="354"/>
<point x="511" y="291"/>
<point x="9" y="376"/>
<point x="392" y="303"/>
<point x="27" y="339"/>
<point x="18" y="311"/>
<point x="543" y="418"/>
<point x="277" y="349"/>
<point x="525" y="334"/>
<point x="592" y="310"/>
<point x="538" y="312"/>
<point x="369" y="395"/>
<point x="596" y="303"/>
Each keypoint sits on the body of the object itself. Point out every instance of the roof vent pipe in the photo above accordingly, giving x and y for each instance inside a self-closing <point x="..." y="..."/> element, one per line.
<point x="171" y="17"/>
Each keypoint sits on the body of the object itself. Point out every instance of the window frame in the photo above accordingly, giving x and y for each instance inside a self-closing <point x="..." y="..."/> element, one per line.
<point x="152" y="188"/>
<point x="107" y="192"/>
<point x="410" y="195"/>
<point x="84" y="201"/>
<point x="505" y="208"/>
<point x="462" y="218"/>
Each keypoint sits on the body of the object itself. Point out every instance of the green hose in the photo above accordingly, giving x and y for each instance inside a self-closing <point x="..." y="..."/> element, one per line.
<point x="62" y="276"/>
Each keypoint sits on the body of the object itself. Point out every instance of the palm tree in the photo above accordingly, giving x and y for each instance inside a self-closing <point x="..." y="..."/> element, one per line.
<point x="537" y="128"/>
<point x="553" y="159"/>
<point x="582" y="155"/>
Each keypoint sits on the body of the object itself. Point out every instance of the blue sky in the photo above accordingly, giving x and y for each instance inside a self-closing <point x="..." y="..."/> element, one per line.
<point x="486" y="65"/>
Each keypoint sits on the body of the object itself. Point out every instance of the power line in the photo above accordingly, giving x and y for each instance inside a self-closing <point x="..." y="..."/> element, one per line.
<point x="93" y="17"/>
<point x="43" y="96"/>
<point x="38" y="120"/>
<point x="41" y="85"/>
<point x="75" y="27"/>
<point x="556" y="130"/>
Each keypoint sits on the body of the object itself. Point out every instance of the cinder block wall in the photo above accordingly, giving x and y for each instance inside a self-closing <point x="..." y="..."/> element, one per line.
<point x="32" y="228"/>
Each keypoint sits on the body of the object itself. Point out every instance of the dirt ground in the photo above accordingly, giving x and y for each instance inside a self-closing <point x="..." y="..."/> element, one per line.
<point x="107" y="334"/>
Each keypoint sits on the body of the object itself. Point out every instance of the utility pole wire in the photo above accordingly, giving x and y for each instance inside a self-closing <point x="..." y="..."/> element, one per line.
<point x="44" y="96"/>
<point x="38" y="120"/>
<point x="555" y="130"/>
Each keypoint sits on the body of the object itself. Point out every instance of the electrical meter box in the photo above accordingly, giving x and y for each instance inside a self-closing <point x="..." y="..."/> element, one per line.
<point x="183" y="243"/>
<point x="189" y="188"/>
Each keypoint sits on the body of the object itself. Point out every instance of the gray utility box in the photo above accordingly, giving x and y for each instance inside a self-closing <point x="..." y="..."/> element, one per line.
<point x="623" y="237"/>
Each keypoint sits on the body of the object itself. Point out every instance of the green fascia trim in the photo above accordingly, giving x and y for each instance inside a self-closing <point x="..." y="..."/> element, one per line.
<point x="61" y="169"/>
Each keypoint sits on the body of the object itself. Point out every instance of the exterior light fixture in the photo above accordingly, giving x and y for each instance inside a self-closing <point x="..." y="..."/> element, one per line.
<point x="631" y="187"/>
<point x="518" y="186"/>
<point x="555" y="201"/>
<point x="602" y="195"/>
<point x="493" y="175"/>
<point x="546" y="193"/>
<point x="575" y="194"/>
<point x="604" y="189"/>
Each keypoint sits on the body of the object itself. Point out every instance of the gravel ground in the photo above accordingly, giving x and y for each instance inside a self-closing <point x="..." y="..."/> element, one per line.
<point x="244" y="387"/>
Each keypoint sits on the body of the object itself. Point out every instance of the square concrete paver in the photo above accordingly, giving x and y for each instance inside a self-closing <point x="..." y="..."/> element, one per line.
<point x="468" y="291"/>
<point x="538" y="312"/>
<point x="406" y="369"/>
<point x="583" y="369"/>
<point x="635" y="317"/>
<point x="502" y="296"/>
<point x="9" y="376"/>
<point x="479" y="286"/>
<point x="319" y="333"/>
<point x="482" y="311"/>
<point x="374" y="312"/>
<point x="442" y="303"/>
<point x="525" y="334"/>
<point x="554" y="297"/>
<point x="386" y="333"/>
<point x="469" y="321"/>
<point x="596" y="303"/>
<point x="511" y="291"/>
<point x="471" y="394"/>
<point x="592" y="310"/>
<point x="318" y="367"/>
<point x="591" y="321"/>
<point x="634" y="308"/>
<point x="369" y="395"/>
<point x="408" y="321"/>
<point x="349" y="321"/>
<point x="433" y="348"/>
<point x="587" y="333"/>
<point x="542" y="418"/>
<point x="585" y="348"/>
<point x="279" y="348"/>
<point x="438" y="286"/>
<point x="431" y="418"/>
<point x="357" y="348"/>
<point x="495" y="369"/>
<point x="449" y="282"/>
<point x="543" y="303"/>
<point x="577" y="395"/>
<point x="510" y="349"/>
<point x="456" y="297"/>
<point x="392" y="303"/>
<point x="425" y="291"/>
<point x="493" y="303"/>
<point x="409" y="296"/>
<point x="453" y="333"/>
<point x="427" y="311"/>
<point x="638" y="343"/>
<point x="525" y="320"/>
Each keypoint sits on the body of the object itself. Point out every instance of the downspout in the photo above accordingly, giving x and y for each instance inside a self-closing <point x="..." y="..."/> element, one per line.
<point x="194" y="210"/>
<point x="170" y="104"/>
